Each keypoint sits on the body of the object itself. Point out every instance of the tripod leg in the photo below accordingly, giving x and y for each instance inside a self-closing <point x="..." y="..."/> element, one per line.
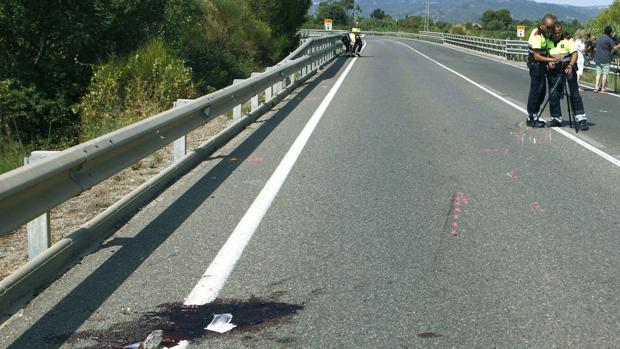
<point x="571" y="110"/>
<point x="551" y="90"/>
<point x="568" y="103"/>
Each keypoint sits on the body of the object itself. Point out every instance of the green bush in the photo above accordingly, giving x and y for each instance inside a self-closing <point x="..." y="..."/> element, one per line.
<point x="128" y="89"/>
<point x="609" y="16"/>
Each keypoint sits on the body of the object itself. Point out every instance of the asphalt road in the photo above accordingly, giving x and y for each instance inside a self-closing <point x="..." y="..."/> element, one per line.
<point x="422" y="213"/>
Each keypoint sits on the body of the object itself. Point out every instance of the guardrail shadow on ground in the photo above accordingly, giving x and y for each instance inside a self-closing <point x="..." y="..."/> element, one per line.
<point x="80" y="303"/>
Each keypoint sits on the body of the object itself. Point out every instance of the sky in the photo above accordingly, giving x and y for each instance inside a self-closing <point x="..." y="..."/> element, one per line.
<point x="578" y="2"/>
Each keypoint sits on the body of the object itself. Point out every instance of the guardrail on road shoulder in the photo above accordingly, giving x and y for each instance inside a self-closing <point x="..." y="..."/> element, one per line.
<point x="516" y="50"/>
<point x="29" y="191"/>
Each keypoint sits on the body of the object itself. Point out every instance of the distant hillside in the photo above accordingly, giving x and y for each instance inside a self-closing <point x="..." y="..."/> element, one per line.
<point x="470" y="10"/>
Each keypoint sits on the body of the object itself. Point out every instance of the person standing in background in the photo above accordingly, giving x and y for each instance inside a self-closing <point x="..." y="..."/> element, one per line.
<point x="589" y="51"/>
<point x="603" y="51"/>
<point x="581" y="49"/>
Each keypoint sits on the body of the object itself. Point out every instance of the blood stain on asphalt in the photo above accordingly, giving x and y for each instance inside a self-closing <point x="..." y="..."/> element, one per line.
<point x="180" y="322"/>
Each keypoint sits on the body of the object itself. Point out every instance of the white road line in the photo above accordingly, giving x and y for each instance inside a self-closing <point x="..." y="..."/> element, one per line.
<point x="568" y="135"/>
<point x="212" y="281"/>
<point x="456" y="48"/>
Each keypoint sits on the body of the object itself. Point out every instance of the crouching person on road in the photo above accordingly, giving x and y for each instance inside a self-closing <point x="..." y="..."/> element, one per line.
<point x="538" y="58"/>
<point x="356" y="35"/>
<point x="566" y="47"/>
<point x="346" y="41"/>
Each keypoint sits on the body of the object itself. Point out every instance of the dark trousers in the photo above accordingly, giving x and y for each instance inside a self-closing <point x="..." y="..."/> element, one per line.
<point x="347" y="46"/>
<point x="358" y="46"/>
<point x="555" y="96"/>
<point x="538" y="87"/>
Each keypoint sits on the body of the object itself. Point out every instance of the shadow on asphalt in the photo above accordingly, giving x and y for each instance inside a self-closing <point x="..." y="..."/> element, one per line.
<point x="80" y="304"/>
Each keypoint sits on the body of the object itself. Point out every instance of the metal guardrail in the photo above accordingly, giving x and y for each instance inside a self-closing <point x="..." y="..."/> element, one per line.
<point x="32" y="190"/>
<point x="516" y="50"/>
<point x="493" y="46"/>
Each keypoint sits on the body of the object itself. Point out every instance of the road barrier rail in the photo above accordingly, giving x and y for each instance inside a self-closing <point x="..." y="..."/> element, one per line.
<point x="33" y="190"/>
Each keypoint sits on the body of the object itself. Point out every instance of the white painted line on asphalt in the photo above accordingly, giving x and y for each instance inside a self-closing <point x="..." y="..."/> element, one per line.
<point x="456" y="48"/>
<point x="568" y="135"/>
<point x="212" y="281"/>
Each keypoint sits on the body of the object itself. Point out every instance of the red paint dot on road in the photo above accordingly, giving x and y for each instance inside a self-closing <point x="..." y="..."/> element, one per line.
<point x="454" y="232"/>
<point x="456" y="216"/>
<point x="457" y="209"/>
<point x="455" y="224"/>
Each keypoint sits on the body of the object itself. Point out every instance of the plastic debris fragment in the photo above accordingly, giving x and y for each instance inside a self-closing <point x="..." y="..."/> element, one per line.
<point x="153" y="340"/>
<point x="221" y="323"/>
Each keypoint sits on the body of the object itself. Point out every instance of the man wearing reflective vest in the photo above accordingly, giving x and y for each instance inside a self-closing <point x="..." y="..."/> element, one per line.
<point x="356" y="40"/>
<point x="538" y="58"/>
<point x="566" y="48"/>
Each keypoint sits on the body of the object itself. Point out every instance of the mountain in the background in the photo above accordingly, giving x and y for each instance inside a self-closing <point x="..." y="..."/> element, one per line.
<point x="457" y="11"/>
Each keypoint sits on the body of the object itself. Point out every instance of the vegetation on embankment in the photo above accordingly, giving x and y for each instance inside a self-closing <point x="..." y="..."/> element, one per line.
<point x="72" y="72"/>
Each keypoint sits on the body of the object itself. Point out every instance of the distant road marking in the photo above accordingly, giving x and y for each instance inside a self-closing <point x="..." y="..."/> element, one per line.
<point x="213" y="280"/>
<point x="568" y="135"/>
<point x="456" y="48"/>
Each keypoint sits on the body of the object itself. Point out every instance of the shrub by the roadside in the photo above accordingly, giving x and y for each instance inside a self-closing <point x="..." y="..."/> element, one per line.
<point x="128" y="89"/>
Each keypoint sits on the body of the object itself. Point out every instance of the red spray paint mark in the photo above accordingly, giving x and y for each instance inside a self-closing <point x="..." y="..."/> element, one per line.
<point x="498" y="151"/>
<point x="255" y="159"/>
<point x="459" y="201"/>
<point x="537" y="207"/>
<point x="518" y="137"/>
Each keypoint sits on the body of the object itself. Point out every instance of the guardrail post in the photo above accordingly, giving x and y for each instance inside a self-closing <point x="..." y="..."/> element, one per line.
<point x="39" y="232"/>
<point x="237" y="109"/>
<point x="280" y="85"/>
<point x="179" y="147"/>
<point x="254" y="102"/>
<point x="268" y="94"/>
<point x="313" y="61"/>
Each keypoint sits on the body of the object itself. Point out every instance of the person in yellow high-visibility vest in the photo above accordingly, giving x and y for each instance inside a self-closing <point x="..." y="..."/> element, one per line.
<point x="356" y="40"/>
<point x="567" y="48"/>
<point x="538" y="59"/>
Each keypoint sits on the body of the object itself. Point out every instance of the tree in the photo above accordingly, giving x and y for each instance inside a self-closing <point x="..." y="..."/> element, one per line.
<point x="378" y="14"/>
<point x="504" y="17"/>
<point x="284" y="17"/>
<point x="487" y="17"/>
<point x="412" y="23"/>
<point x="347" y="5"/>
<point x="609" y="16"/>
<point x="51" y="50"/>
<point x="333" y="11"/>
<point x="496" y="20"/>
<point x="495" y="25"/>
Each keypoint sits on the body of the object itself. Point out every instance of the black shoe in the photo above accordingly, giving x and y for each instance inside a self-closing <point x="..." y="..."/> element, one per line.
<point x="583" y="125"/>
<point x="357" y="54"/>
<point x="536" y="123"/>
<point x="555" y="123"/>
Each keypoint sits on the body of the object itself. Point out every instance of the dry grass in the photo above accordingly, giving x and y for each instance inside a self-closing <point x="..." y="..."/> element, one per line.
<point x="75" y="212"/>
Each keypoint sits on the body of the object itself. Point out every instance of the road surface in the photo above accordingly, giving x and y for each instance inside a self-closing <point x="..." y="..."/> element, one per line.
<point x="419" y="212"/>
